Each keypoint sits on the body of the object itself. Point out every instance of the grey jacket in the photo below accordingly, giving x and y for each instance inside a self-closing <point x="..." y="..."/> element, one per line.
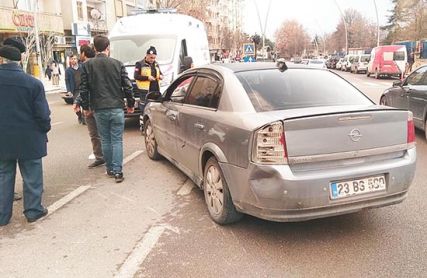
<point x="105" y="84"/>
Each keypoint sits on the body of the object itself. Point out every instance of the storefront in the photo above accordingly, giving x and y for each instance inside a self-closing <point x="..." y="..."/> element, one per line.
<point x="18" y="23"/>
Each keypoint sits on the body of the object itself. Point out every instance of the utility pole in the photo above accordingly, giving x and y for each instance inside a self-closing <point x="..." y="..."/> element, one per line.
<point x="36" y="34"/>
<point x="265" y="23"/>
<point x="345" y="27"/>
<point x="378" y="24"/>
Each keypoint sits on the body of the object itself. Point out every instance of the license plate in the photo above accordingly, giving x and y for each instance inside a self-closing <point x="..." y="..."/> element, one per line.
<point x="343" y="189"/>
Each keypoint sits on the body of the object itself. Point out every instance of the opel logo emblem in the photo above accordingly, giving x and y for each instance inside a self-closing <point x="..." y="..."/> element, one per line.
<point x="355" y="135"/>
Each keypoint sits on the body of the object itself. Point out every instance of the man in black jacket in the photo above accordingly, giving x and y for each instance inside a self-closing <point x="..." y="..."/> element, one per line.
<point x="104" y="84"/>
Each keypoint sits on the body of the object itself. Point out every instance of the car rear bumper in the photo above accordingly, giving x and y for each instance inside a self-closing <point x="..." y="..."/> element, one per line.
<point x="279" y="193"/>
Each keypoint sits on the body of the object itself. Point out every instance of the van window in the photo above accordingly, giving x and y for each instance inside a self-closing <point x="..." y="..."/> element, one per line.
<point x="399" y="56"/>
<point x="364" y="58"/>
<point x="130" y="50"/>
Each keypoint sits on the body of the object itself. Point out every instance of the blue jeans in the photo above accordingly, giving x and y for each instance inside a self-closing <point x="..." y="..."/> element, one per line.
<point x="32" y="175"/>
<point x="111" y="124"/>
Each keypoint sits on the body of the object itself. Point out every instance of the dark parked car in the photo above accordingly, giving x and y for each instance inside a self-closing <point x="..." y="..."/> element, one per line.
<point x="410" y="94"/>
<point x="261" y="140"/>
<point x="332" y="62"/>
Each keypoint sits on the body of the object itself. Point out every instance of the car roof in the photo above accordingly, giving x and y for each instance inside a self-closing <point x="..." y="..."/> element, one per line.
<point x="237" y="67"/>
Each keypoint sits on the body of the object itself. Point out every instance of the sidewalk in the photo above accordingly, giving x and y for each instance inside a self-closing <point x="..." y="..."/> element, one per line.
<point x="50" y="89"/>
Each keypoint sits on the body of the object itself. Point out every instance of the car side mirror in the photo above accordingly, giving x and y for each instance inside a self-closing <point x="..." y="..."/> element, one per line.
<point x="154" y="96"/>
<point x="397" y="83"/>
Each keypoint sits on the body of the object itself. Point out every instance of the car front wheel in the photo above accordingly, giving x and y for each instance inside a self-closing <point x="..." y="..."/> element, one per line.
<point x="217" y="196"/>
<point x="150" y="142"/>
<point x="425" y="128"/>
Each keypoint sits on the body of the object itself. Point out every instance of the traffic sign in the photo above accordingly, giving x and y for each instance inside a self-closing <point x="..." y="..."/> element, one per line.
<point x="248" y="49"/>
<point x="249" y="59"/>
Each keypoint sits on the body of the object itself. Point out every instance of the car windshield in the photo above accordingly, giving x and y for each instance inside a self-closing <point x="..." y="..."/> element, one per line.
<point x="364" y="58"/>
<point x="274" y="90"/>
<point x="130" y="50"/>
<point x="398" y="56"/>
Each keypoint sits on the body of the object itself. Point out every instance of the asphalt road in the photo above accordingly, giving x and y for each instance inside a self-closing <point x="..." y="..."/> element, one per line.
<point x="155" y="224"/>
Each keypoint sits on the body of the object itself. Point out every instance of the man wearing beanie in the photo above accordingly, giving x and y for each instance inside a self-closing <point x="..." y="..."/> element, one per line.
<point x="24" y="123"/>
<point x="147" y="72"/>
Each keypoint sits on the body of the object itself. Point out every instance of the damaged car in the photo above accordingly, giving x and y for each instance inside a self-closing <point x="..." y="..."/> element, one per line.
<point x="287" y="143"/>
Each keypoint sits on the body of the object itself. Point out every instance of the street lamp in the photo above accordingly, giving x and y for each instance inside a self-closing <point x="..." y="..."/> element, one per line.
<point x="265" y="24"/>
<point x="378" y="24"/>
<point x="345" y="27"/>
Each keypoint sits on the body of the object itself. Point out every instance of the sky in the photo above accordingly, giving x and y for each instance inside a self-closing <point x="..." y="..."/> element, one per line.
<point x="317" y="16"/>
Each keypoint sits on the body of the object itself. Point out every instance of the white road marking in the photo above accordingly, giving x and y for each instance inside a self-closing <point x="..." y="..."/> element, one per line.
<point x="81" y="189"/>
<point x="52" y="102"/>
<point x="186" y="188"/>
<point x="56" y="123"/>
<point x="67" y="198"/>
<point x="132" y="156"/>
<point x="140" y="252"/>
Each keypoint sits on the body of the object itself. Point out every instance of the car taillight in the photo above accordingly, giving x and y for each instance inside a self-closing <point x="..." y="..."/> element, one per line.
<point x="410" y="130"/>
<point x="270" y="145"/>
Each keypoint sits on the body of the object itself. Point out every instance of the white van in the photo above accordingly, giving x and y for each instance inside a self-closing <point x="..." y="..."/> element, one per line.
<point x="173" y="35"/>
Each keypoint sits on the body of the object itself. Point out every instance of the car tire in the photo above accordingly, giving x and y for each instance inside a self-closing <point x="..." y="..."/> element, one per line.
<point x="368" y="73"/>
<point x="383" y="101"/>
<point x="425" y="128"/>
<point x="150" y="142"/>
<point x="217" y="196"/>
<point x="68" y="100"/>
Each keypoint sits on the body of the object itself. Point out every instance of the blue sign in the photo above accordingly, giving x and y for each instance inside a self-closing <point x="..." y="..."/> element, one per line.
<point x="249" y="59"/>
<point x="248" y="49"/>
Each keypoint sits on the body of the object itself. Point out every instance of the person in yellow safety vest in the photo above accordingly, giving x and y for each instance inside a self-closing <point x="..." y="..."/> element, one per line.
<point x="147" y="72"/>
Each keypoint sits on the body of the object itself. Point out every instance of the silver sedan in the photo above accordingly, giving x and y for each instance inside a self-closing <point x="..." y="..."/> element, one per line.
<point x="281" y="143"/>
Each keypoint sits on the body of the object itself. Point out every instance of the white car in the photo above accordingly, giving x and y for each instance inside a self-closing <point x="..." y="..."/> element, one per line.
<point x="317" y="63"/>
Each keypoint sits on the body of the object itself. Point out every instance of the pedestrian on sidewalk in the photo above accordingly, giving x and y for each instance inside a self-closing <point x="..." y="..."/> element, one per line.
<point x="24" y="125"/>
<point x="56" y="72"/>
<point x="105" y="83"/>
<point x="72" y="83"/>
<point x="86" y="53"/>
<point x="48" y="72"/>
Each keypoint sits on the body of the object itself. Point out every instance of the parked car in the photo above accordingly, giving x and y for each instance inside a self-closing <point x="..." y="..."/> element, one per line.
<point x="317" y="63"/>
<point x="360" y="63"/>
<point x="347" y="62"/>
<point x="387" y="60"/>
<point x="261" y="140"/>
<point x="332" y="62"/>
<point x="411" y="94"/>
<point x="339" y="63"/>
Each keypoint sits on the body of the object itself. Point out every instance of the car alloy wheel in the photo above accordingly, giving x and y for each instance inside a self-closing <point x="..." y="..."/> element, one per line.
<point x="425" y="128"/>
<point x="150" y="142"/>
<point x="217" y="196"/>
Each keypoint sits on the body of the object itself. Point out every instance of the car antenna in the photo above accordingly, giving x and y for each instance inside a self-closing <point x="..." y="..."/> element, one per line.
<point x="281" y="64"/>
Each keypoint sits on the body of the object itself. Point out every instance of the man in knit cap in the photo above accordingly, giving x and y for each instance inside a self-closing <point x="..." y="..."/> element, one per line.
<point x="24" y="123"/>
<point x="147" y="72"/>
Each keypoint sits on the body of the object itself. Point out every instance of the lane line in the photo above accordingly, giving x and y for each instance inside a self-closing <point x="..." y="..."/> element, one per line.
<point x="132" y="156"/>
<point x="140" y="252"/>
<point x="57" y="123"/>
<point x="67" y="198"/>
<point x="81" y="189"/>
<point x="52" y="102"/>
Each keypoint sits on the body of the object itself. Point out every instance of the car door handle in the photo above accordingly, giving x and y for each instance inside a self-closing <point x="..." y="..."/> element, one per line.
<point x="171" y="117"/>
<point x="199" y="126"/>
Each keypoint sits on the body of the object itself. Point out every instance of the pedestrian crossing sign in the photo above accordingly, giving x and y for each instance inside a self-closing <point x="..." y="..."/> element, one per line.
<point x="248" y="49"/>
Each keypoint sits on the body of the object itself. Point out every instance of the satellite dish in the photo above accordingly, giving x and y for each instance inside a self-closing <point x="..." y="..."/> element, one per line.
<point x="95" y="14"/>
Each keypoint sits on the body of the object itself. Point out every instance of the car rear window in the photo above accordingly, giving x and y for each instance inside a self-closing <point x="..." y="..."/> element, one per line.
<point x="298" y="88"/>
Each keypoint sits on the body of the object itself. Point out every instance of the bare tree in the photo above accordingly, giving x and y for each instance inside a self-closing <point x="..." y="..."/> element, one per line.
<point x="291" y="39"/>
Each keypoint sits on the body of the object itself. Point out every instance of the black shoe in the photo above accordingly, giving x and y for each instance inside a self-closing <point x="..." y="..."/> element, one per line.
<point x="17" y="196"/>
<point x="110" y="174"/>
<point x="44" y="213"/>
<point x="118" y="177"/>
<point x="96" y="163"/>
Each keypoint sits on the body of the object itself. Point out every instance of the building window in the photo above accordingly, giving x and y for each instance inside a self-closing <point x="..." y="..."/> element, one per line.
<point x="119" y="8"/>
<point x="80" y="10"/>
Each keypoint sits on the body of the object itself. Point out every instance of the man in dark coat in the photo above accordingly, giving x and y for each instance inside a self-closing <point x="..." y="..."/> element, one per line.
<point x="24" y="123"/>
